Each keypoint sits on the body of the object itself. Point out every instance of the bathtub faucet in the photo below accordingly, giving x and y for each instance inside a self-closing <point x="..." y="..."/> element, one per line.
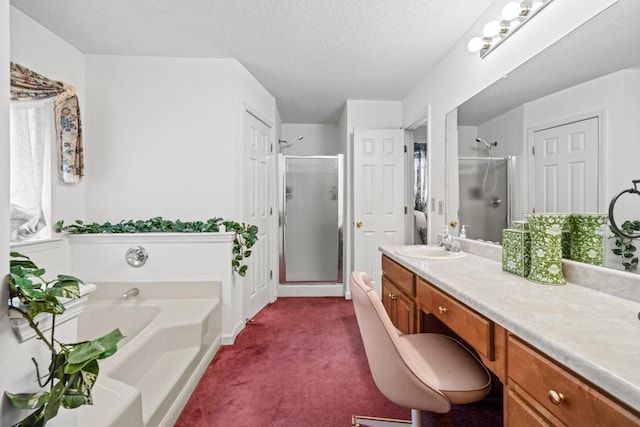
<point x="131" y="293"/>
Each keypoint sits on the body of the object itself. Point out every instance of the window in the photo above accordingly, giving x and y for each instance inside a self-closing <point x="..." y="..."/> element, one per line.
<point x="44" y="114"/>
<point x="32" y="132"/>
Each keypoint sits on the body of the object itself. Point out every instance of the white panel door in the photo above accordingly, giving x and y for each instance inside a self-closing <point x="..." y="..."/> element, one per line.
<point x="566" y="167"/>
<point x="257" y="160"/>
<point x="378" y="196"/>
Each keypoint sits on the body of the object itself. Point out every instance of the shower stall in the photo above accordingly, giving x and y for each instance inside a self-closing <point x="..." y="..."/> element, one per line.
<point x="485" y="196"/>
<point x="311" y="210"/>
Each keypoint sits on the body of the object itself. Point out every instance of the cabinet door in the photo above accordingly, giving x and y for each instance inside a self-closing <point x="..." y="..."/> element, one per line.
<point x="405" y="309"/>
<point x="387" y="292"/>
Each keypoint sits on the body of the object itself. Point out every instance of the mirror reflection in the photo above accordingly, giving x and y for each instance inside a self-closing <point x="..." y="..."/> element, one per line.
<point x="558" y="134"/>
<point x="420" y="184"/>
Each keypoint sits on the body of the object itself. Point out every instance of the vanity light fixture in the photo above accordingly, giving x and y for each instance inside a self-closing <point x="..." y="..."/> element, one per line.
<point x="513" y="16"/>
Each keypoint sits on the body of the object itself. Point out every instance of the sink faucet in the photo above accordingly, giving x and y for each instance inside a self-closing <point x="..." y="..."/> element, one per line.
<point x="131" y="293"/>
<point x="447" y="241"/>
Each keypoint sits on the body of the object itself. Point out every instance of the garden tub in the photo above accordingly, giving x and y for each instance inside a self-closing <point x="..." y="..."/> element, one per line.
<point x="172" y="331"/>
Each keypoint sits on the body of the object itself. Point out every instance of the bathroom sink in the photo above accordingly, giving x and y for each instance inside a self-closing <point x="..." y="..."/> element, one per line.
<point x="428" y="252"/>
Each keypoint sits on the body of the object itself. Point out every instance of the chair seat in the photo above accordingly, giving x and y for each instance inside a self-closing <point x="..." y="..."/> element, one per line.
<point x="446" y="365"/>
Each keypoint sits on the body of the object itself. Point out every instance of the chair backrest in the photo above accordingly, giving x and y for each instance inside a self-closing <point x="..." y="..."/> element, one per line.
<point x="389" y="364"/>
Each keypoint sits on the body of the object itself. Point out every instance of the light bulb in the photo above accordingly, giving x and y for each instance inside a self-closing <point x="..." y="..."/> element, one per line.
<point x="475" y="44"/>
<point x="491" y="29"/>
<point x="511" y="10"/>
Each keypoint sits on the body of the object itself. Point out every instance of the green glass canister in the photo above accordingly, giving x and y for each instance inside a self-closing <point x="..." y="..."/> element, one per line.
<point x="546" y="247"/>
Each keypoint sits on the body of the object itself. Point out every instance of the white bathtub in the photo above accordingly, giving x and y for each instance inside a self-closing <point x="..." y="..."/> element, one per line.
<point x="172" y="329"/>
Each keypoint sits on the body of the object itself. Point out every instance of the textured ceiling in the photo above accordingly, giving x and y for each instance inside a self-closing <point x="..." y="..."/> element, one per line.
<point x="608" y="42"/>
<point x="310" y="54"/>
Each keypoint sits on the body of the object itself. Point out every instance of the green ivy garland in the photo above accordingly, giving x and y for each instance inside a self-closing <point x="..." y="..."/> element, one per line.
<point x="246" y="234"/>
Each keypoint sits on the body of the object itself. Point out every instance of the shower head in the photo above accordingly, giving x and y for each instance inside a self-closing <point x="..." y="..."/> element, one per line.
<point x="285" y="144"/>
<point x="487" y="144"/>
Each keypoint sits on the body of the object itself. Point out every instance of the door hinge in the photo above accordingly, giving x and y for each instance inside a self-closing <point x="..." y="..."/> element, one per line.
<point x="405" y="148"/>
<point x="406" y="210"/>
<point x="270" y="211"/>
<point x="270" y="274"/>
<point x="271" y="148"/>
<point x="533" y="150"/>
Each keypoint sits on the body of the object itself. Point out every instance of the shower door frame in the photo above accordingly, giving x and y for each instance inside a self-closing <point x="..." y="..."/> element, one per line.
<point x="282" y="217"/>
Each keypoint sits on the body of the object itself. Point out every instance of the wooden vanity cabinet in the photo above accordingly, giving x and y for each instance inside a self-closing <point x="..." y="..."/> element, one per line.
<point x="483" y="335"/>
<point x="541" y="392"/>
<point x="538" y="391"/>
<point x="398" y="295"/>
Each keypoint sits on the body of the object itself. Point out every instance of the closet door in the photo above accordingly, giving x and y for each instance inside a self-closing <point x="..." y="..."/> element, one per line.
<point x="378" y="196"/>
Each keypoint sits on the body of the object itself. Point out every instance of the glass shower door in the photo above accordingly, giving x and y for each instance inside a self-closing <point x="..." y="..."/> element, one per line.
<point x="312" y="217"/>
<point x="484" y="197"/>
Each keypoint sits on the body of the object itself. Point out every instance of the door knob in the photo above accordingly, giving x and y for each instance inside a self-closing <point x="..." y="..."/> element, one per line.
<point x="359" y="224"/>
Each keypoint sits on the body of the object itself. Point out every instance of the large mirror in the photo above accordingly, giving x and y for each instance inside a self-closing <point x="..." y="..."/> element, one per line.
<point x="579" y="101"/>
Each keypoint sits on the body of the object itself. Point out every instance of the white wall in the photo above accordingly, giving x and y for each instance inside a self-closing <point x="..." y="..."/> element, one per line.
<point x="507" y="130"/>
<point x="167" y="136"/>
<point x="467" y="145"/>
<point x="319" y="139"/>
<point x="460" y="75"/>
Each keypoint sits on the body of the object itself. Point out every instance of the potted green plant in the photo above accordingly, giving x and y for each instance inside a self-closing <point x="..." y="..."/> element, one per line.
<point x="246" y="234"/>
<point x="73" y="369"/>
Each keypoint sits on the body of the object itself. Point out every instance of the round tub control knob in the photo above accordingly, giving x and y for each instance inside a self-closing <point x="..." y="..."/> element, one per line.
<point x="136" y="256"/>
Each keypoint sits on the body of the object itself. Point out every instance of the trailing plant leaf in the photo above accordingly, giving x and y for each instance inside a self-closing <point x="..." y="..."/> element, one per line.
<point x="246" y="234"/>
<point x="89" y="350"/>
<point x="73" y="368"/>
<point x="624" y="245"/>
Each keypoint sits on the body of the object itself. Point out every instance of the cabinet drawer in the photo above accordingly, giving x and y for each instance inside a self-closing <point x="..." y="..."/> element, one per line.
<point x="469" y="325"/>
<point x="576" y="401"/>
<point x="520" y="414"/>
<point x="399" y="276"/>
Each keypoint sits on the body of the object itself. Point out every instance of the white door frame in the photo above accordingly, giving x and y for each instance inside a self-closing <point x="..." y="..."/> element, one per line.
<point x="423" y="120"/>
<point x="528" y="158"/>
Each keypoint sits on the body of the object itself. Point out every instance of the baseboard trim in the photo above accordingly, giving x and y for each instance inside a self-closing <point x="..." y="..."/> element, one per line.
<point x="329" y="290"/>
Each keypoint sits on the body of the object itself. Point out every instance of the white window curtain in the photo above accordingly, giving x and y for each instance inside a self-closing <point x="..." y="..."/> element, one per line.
<point x="32" y="130"/>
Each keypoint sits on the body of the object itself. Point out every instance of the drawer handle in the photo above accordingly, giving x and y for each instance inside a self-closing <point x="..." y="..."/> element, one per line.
<point x="555" y="397"/>
<point x="442" y="309"/>
<point x="392" y="297"/>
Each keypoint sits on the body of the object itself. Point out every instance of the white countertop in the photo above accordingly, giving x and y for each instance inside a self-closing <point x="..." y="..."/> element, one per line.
<point x="592" y="333"/>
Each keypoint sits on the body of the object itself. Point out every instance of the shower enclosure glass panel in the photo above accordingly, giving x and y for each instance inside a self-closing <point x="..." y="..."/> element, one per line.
<point x="484" y="196"/>
<point x="311" y="219"/>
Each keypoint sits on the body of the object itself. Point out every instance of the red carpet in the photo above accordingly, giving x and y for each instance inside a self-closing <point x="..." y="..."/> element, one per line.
<point x="302" y="363"/>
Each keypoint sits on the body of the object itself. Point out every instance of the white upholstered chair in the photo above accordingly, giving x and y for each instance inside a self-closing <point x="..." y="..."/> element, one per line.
<point x="424" y="372"/>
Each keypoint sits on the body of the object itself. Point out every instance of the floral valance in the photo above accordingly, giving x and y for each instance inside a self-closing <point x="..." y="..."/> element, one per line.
<point x="27" y="85"/>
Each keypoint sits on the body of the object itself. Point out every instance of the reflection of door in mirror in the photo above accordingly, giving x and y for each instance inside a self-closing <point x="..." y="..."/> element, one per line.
<point x="420" y="185"/>
<point x="565" y="159"/>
